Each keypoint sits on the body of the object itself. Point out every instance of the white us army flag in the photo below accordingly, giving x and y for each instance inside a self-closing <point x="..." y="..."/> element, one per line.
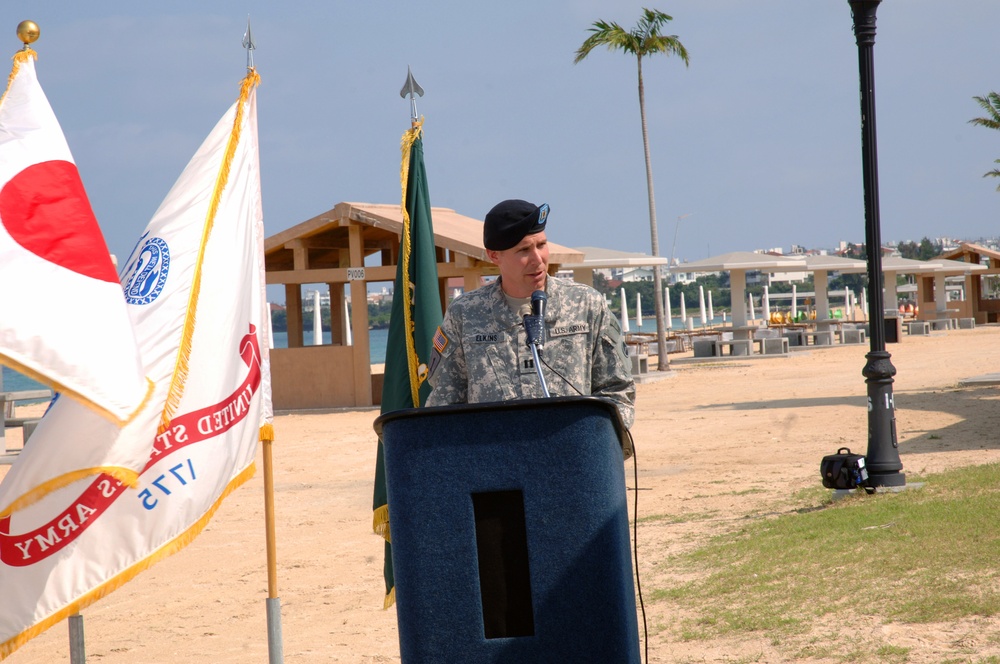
<point x="195" y="288"/>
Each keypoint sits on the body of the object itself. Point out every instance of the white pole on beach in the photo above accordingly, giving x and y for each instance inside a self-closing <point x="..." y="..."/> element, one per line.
<point x="624" y="311"/>
<point x="701" y="304"/>
<point x="794" y="303"/>
<point x="767" y="305"/>
<point x="847" y="302"/>
<point x="317" y="321"/>
<point x="711" y="308"/>
<point x="638" y="311"/>
<point x="750" y="299"/>
<point x="666" y="303"/>
<point x="347" y="317"/>
<point x="270" y="328"/>
<point x="684" y="315"/>
<point x="864" y="302"/>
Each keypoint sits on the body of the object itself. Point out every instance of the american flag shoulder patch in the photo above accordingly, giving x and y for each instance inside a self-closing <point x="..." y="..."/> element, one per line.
<point x="440" y="340"/>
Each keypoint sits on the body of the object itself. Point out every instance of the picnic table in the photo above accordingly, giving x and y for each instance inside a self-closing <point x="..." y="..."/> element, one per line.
<point x="7" y="402"/>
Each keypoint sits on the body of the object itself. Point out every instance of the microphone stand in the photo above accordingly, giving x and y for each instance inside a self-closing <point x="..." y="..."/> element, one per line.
<point x="538" y="369"/>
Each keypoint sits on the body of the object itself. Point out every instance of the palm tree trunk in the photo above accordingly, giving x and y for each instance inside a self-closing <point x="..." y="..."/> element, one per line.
<point x="661" y="337"/>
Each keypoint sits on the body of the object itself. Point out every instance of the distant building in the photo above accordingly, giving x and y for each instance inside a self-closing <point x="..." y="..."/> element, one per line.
<point x="636" y="274"/>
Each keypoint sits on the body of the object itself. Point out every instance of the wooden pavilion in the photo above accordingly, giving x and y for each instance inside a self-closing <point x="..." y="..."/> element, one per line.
<point x="976" y="304"/>
<point x="354" y="245"/>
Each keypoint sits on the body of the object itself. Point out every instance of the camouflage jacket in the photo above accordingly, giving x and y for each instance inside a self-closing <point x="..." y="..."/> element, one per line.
<point x="480" y="351"/>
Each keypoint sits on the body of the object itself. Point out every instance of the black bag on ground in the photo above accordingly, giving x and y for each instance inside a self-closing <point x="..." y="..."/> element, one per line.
<point x="843" y="470"/>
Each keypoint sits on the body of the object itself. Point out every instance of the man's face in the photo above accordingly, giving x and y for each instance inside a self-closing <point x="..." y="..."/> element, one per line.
<point x="524" y="266"/>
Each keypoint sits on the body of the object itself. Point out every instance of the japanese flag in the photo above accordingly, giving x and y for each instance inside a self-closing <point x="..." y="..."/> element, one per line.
<point x="64" y="319"/>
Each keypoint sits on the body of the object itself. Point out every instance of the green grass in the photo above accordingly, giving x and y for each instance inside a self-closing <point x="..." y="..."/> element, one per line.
<point x="921" y="555"/>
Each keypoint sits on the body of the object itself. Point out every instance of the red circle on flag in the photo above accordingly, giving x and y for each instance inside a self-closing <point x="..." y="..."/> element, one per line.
<point x="45" y="209"/>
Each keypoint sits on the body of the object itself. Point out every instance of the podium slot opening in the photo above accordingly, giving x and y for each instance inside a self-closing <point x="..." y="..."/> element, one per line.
<point x="502" y="548"/>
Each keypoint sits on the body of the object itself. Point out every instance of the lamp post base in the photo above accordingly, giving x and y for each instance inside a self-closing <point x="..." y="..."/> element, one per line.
<point x="884" y="480"/>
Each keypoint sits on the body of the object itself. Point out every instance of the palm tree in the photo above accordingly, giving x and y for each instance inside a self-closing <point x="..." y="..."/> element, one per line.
<point x="643" y="40"/>
<point x="991" y="104"/>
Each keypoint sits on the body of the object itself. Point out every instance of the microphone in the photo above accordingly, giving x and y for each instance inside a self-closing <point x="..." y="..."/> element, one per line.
<point x="534" y="325"/>
<point x="538" y="300"/>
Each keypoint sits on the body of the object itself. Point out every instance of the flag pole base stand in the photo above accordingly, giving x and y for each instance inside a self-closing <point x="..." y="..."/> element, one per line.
<point x="275" y="651"/>
<point x="77" y="643"/>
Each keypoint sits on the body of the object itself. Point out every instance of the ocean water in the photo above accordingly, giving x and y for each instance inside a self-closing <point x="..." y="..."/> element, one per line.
<point x="377" y="340"/>
<point x="15" y="382"/>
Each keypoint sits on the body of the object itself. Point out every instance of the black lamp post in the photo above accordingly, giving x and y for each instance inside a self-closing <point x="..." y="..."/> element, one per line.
<point x="882" y="459"/>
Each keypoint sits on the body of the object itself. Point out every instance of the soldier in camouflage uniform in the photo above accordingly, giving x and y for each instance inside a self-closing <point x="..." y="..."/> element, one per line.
<point x="480" y="350"/>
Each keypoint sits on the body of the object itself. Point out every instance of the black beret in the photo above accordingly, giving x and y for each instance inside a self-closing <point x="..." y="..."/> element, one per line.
<point x="510" y="221"/>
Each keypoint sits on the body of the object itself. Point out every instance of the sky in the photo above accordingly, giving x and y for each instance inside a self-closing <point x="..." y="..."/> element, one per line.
<point x="755" y="145"/>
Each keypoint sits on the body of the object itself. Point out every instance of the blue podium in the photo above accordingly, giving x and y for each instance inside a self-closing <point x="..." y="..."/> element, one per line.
<point x="510" y="533"/>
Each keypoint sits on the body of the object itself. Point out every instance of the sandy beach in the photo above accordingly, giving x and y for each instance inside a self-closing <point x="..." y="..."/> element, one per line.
<point x="717" y="441"/>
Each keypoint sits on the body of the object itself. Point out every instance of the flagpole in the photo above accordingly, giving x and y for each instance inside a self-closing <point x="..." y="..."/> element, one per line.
<point x="275" y="653"/>
<point x="272" y="605"/>
<point x="77" y="645"/>
<point x="28" y="32"/>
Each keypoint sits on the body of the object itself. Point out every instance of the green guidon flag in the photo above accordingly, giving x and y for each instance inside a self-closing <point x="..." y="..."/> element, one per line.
<point x="415" y="316"/>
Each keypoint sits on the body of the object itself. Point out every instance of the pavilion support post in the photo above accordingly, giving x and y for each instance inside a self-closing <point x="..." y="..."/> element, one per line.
<point x="293" y="314"/>
<point x="338" y="321"/>
<point x="359" y="322"/>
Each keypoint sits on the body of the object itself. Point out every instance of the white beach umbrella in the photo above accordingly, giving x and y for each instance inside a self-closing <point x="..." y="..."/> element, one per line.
<point x="317" y="321"/>
<point x="750" y="302"/>
<point x="638" y="310"/>
<point x="711" y="309"/>
<point x="270" y="331"/>
<point x="347" y="317"/>
<point x="701" y="304"/>
<point x="684" y="315"/>
<point x="767" y="304"/>
<point x="625" y="327"/>
<point x="666" y="302"/>
<point x="794" y="301"/>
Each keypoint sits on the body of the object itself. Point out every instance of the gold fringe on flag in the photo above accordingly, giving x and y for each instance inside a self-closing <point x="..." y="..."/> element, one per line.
<point x="126" y="476"/>
<point x="380" y="523"/>
<point x="405" y="247"/>
<point x="181" y="369"/>
<point x="56" y="386"/>
<point x="106" y="588"/>
<point x="390" y="599"/>
<point x="19" y="57"/>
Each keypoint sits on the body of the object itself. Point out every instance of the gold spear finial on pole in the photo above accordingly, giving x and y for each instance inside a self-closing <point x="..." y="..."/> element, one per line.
<point x="28" y="32"/>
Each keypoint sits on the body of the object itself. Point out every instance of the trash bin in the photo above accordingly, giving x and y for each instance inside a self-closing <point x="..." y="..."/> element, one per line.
<point x="893" y="327"/>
